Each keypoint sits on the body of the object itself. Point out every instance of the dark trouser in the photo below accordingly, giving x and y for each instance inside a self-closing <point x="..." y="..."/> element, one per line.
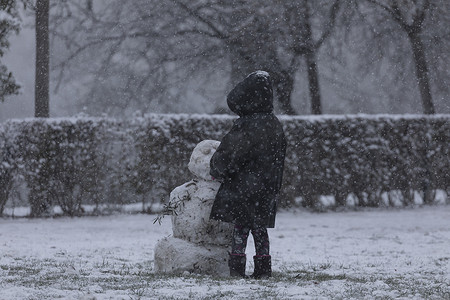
<point x="240" y="236"/>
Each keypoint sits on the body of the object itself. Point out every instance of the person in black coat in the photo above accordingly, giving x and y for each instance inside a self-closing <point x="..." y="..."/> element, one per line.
<point x="249" y="164"/>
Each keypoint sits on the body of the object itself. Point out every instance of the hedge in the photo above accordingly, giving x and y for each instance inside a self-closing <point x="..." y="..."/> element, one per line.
<point x="367" y="156"/>
<point x="71" y="162"/>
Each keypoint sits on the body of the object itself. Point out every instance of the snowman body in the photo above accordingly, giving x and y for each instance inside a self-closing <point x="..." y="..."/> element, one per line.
<point x="198" y="245"/>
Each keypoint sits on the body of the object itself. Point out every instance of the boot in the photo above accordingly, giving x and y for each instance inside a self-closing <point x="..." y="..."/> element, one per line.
<point x="236" y="263"/>
<point x="263" y="267"/>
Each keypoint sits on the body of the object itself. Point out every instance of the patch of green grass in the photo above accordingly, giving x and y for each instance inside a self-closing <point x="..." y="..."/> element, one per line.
<point x="314" y="273"/>
<point x="22" y="270"/>
<point x="320" y="277"/>
<point x="423" y="288"/>
<point x="136" y="281"/>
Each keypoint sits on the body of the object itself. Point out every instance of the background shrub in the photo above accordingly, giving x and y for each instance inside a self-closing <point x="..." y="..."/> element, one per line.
<point x="373" y="160"/>
<point x="7" y="167"/>
<point x="367" y="156"/>
<point x="164" y="146"/>
<point x="60" y="163"/>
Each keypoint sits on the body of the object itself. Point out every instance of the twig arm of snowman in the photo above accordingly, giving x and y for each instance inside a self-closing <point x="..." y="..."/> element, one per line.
<point x="178" y="196"/>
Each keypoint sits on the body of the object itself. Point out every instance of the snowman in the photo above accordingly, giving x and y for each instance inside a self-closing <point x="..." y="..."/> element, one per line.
<point x="198" y="245"/>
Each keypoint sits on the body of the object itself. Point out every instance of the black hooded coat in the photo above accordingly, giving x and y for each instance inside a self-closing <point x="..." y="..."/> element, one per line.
<point x="250" y="159"/>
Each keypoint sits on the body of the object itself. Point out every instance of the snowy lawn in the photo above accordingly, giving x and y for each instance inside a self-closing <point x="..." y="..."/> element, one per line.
<point x="380" y="254"/>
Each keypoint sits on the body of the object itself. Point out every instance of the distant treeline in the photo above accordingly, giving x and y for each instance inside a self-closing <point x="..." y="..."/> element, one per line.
<point x="357" y="160"/>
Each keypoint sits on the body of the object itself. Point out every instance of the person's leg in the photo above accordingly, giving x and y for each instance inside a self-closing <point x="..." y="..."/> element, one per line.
<point x="239" y="242"/>
<point x="237" y="259"/>
<point x="262" y="259"/>
<point x="261" y="238"/>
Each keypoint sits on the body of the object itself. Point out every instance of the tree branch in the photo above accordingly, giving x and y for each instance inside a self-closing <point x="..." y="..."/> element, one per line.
<point x="196" y="15"/>
<point x="198" y="31"/>
<point x="330" y="25"/>
<point x="394" y="11"/>
<point x="420" y="17"/>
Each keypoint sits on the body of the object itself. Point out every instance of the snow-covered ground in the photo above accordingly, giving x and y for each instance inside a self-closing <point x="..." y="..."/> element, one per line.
<point x="379" y="254"/>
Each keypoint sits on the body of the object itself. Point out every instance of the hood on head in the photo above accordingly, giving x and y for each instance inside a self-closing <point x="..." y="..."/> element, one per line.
<point x="252" y="95"/>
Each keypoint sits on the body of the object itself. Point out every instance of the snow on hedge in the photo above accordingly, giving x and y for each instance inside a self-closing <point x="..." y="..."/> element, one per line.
<point x="364" y="159"/>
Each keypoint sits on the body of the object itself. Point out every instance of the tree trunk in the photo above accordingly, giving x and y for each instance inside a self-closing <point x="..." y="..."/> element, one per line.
<point x="313" y="81"/>
<point x="42" y="60"/>
<point x="283" y="84"/>
<point x="421" y="72"/>
<point x="311" y="65"/>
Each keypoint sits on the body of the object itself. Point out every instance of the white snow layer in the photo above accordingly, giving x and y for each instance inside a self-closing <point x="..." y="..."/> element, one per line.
<point x="380" y="254"/>
<point x="260" y="73"/>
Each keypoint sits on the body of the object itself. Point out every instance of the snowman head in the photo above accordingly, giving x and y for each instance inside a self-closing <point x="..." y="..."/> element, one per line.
<point x="200" y="158"/>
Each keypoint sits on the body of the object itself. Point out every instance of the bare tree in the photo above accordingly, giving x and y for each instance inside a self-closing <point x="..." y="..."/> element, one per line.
<point x="173" y="42"/>
<point x="42" y="80"/>
<point x="269" y="35"/>
<point x="126" y="55"/>
<point x="410" y="15"/>
<point x="300" y="26"/>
